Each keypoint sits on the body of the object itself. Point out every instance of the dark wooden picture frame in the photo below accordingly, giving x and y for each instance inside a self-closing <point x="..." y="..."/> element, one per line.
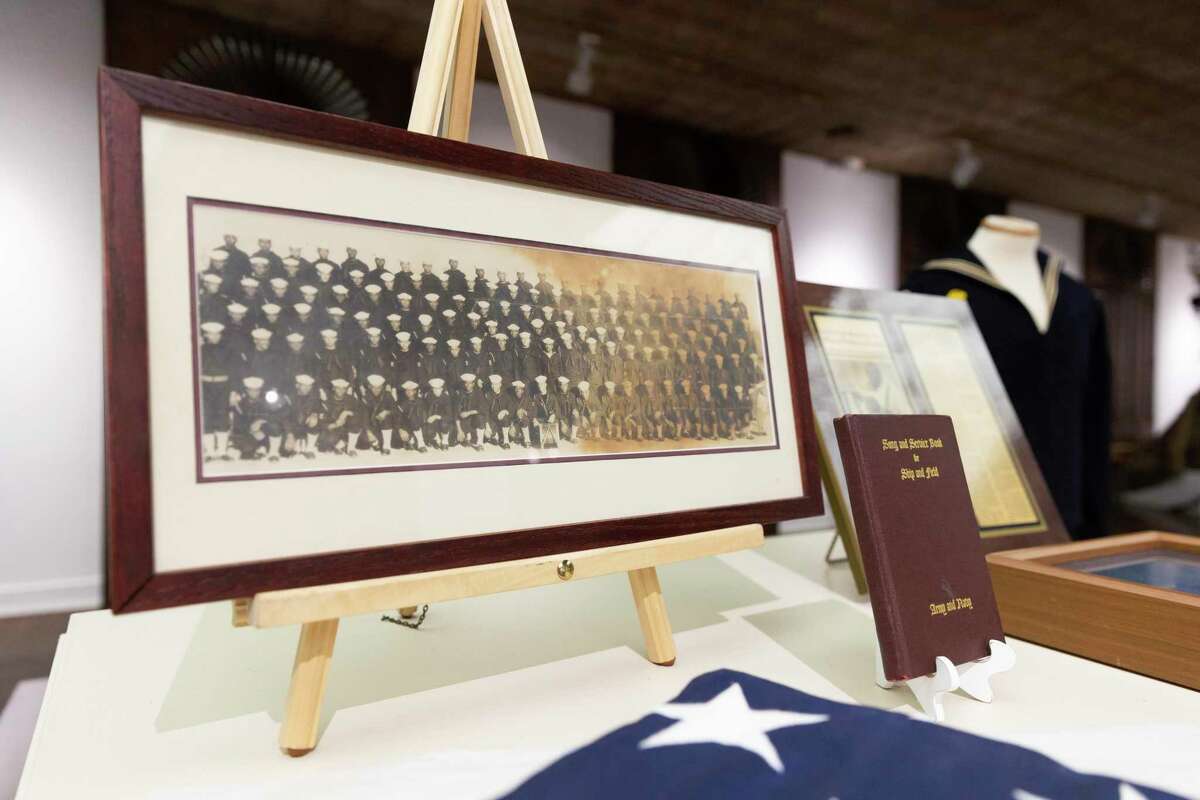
<point x="890" y="307"/>
<point x="1144" y="629"/>
<point x="132" y="582"/>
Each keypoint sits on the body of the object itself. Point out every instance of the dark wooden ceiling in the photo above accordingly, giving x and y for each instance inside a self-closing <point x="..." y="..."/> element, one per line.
<point x="1090" y="105"/>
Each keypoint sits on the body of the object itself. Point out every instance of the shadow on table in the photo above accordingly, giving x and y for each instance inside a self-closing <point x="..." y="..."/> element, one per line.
<point x="836" y="642"/>
<point x="228" y="672"/>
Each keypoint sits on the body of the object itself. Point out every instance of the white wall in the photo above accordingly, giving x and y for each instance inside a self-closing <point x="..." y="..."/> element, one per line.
<point x="1062" y="232"/>
<point x="845" y="224"/>
<point x="1176" y="331"/>
<point x="576" y="133"/>
<point x="50" y="356"/>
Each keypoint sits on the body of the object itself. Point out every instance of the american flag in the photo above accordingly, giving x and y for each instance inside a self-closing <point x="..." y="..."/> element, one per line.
<point x="729" y="734"/>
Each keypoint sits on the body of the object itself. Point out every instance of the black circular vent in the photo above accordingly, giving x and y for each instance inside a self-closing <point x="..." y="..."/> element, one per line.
<point x="269" y="71"/>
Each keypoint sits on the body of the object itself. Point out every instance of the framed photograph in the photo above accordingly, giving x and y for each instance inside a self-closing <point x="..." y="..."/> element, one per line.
<point x="1132" y="601"/>
<point x="338" y="350"/>
<point x="878" y="352"/>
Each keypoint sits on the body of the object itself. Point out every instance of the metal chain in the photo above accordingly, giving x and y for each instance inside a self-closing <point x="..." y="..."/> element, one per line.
<point x="399" y="620"/>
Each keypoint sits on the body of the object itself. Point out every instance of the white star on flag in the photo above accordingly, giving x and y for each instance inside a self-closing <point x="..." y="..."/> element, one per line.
<point x="729" y="720"/>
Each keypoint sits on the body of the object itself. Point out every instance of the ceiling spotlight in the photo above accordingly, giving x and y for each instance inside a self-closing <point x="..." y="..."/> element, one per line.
<point x="966" y="166"/>
<point x="579" y="80"/>
<point x="1150" y="212"/>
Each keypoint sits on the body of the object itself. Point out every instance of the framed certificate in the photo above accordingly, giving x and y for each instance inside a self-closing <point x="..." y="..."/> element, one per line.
<point x="338" y="350"/>
<point x="877" y="352"/>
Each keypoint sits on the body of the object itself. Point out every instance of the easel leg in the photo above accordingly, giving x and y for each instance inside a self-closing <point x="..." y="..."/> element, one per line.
<point x="298" y="735"/>
<point x="652" y="614"/>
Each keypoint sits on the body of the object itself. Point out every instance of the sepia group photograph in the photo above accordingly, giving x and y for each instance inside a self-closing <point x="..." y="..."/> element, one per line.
<point x="328" y="344"/>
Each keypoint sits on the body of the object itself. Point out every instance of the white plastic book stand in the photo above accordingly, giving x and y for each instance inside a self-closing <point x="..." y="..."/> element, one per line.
<point x="974" y="678"/>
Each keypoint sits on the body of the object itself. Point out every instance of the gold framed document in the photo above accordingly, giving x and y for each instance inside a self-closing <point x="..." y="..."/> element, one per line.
<point x="880" y="352"/>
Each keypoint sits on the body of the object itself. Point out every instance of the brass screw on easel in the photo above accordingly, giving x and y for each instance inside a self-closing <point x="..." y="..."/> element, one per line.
<point x="566" y="569"/>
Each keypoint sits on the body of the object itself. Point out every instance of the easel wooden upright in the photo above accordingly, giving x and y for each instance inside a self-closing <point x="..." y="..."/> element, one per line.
<point x="442" y="106"/>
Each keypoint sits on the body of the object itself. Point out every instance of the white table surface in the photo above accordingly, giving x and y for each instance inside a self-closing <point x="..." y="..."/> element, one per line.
<point x="179" y="704"/>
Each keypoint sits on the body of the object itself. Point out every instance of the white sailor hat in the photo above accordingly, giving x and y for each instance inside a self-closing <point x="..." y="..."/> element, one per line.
<point x="519" y="384"/>
<point x="563" y="379"/>
<point x="638" y="332"/>
<point x="329" y="333"/>
<point x="361" y="315"/>
<point x="252" y="382"/>
<point x="292" y="261"/>
<point x="404" y="296"/>
<point x="249" y="282"/>
<point x="512" y="326"/>
<point x="491" y="324"/>
<point x="336" y="311"/>
<point x="540" y="379"/>
<point x="209" y="277"/>
<point x="271" y="308"/>
<point x="339" y="289"/>
<point x="472" y="315"/>
<point x="302" y="308"/>
<point x="525" y="334"/>
<point x="279" y="283"/>
<point x="307" y="289"/>
<point x="235" y="308"/>
<point x="356" y="273"/>
<point x="505" y="303"/>
<point x="375" y="380"/>
<point x="373" y="288"/>
<point x="537" y="323"/>
<point x="467" y="377"/>
<point x="218" y="255"/>
<point x="449" y="312"/>
<point x="429" y="340"/>
<point x="591" y="340"/>
<point x="495" y="378"/>
<point x="581" y="328"/>
<point x="295" y="337"/>
<point x="547" y="340"/>
<point x="501" y="336"/>
<point x="304" y="380"/>
<point x="373" y="331"/>
<point x="394" y="318"/>
<point x="431" y="296"/>
<point x="425" y="318"/>
<point x="387" y="274"/>
<point x="324" y="268"/>
<point x="610" y="344"/>
<point x="259" y="260"/>
<point x="476" y="340"/>
<point x="610" y="385"/>
<point x="436" y="383"/>
<point x="340" y="383"/>
<point x="547" y="309"/>
<point x="526" y="307"/>
<point x="458" y="297"/>
<point x="403" y="336"/>
<point x="584" y="385"/>
<point x="600" y="329"/>
<point x="212" y="327"/>
<point x="484" y="304"/>
<point x="410" y="385"/>
<point x="453" y="342"/>
<point x="260" y="334"/>
<point x="619" y="329"/>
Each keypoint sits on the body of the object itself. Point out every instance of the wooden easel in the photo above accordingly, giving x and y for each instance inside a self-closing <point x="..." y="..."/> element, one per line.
<point x="442" y="106"/>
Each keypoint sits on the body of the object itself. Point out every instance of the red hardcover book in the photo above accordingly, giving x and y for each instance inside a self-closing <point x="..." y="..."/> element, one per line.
<point x="928" y="580"/>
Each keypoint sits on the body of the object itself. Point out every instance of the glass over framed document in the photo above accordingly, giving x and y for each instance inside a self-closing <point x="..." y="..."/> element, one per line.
<point x="879" y="352"/>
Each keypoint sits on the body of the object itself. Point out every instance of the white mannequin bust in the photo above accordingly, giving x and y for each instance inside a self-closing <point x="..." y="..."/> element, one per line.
<point x="1007" y="246"/>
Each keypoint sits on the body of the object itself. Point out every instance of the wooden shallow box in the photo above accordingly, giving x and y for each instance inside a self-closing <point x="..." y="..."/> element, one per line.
<point x="1141" y="628"/>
